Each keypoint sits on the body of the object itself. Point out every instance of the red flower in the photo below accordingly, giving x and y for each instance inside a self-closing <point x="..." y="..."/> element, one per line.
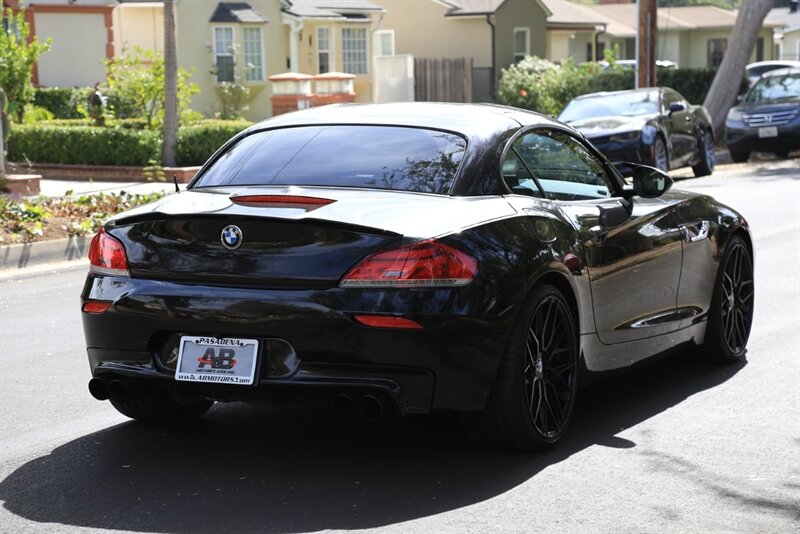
<point x="523" y="93"/>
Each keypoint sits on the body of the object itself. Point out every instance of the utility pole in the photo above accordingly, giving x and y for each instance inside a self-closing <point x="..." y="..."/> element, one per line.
<point x="647" y="43"/>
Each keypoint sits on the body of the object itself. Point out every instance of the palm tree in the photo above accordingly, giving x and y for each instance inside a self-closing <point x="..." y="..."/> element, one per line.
<point x="170" y="86"/>
<point x="743" y="39"/>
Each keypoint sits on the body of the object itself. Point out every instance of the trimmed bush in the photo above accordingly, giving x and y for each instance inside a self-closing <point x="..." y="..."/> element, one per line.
<point x="542" y="86"/>
<point x="58" y="100"/>
<point x="83" y="145"/>
<point x="71" y="102"/>
<point x="198" y="142"/>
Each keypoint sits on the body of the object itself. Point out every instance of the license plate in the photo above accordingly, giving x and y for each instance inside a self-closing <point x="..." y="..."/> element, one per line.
<point x="217" y="360"/>
<point x="768" y="131"/>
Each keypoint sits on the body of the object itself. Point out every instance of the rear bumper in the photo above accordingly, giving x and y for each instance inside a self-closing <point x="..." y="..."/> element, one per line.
<point x="310" y="345"/>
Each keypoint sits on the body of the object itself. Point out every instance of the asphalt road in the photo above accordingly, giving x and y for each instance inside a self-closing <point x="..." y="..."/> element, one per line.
<point x="678" y="446"/>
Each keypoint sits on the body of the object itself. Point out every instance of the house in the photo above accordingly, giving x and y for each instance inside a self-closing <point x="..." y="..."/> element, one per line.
<point x="244" y="43"/>
<point x="493" y="33"/>
<point x="692" y="36"/>
<point x="573" y="31"/>
<point x="82" y="36"/>
<point x="787" y="31"/>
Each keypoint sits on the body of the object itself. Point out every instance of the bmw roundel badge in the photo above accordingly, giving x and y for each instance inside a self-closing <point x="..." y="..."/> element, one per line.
<point x="231" y="237"/>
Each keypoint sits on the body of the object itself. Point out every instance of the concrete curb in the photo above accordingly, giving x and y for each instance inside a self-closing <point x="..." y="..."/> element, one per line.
<point x="19" y="256"/>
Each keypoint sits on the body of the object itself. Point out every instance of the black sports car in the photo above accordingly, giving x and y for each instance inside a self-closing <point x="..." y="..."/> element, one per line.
<point x="768" y="117"/>
<point x="408" y="258"/>
<point x="654" y="126"/>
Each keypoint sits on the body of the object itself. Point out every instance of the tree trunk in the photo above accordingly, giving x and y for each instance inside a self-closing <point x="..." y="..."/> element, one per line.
<point x="170" y="86"/>
<point x="741" y="42"/>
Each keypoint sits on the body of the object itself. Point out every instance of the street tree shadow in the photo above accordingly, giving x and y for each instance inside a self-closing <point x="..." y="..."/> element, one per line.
<point x="247" y="468"/>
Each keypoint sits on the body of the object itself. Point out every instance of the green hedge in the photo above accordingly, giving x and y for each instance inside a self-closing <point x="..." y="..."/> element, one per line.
<point x="73" y="141"/>
<point x="198" y="142"/>
<point x="71" y="102"/>
<point x="691" y="83"/>
<point x="83" y="145"/>
<point x="542" y="86"/>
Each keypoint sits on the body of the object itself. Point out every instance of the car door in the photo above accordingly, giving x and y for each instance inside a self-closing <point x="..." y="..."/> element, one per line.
<point x="634" y="266"/>
<point x="679" y="127"/>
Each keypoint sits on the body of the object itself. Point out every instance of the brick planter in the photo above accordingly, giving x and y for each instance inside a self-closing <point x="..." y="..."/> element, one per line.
<point x="22" y="184"/>
<point x="104" y="173"/>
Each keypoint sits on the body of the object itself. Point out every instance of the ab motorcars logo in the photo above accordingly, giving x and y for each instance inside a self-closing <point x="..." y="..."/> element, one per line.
<point x="222" y="360"/>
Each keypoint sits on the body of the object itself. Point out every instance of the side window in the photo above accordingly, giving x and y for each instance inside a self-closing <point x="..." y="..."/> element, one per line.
<point x="556" y="164"/>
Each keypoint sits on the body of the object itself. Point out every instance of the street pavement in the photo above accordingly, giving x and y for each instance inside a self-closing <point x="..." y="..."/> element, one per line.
<point x="677" y="446"/>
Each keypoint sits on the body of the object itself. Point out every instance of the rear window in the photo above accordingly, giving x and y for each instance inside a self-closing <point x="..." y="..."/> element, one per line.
<point x="375" y="157"/>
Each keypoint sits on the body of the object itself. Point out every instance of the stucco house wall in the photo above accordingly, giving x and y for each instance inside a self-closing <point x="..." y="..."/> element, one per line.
<point x="196" y="53"/>
<point x="421" y="29"/>
<point x="514" y="14"/>
<point x="138" y="26"/>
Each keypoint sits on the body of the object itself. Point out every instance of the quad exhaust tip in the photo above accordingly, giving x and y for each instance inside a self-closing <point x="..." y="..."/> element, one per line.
<point x="98" y="389"/>
<point x="369" y="407"/>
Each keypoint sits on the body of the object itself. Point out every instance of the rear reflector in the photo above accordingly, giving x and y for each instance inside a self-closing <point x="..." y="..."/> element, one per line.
<point x="96" y="306"/>
<point x="386" y="321"/>
<point x="423" y="264"/>
<point x="107" y="255"/>
<point x="281" y="201"/>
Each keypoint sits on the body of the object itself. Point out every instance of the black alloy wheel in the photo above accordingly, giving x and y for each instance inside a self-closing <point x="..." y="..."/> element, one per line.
<point x="533" y="397"/>
<point x="708" y="156"/>
<point x="550" y="368"/>
<point x="739" y="155"/>
<point x="660" y="155"/>
<point x="731" y="315"/>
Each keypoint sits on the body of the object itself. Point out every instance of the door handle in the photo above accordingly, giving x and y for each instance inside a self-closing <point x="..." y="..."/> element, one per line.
<point x="695" y="231"/>
<point x="598" y="234"/>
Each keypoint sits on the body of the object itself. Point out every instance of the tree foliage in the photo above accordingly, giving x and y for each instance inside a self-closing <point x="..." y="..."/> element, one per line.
<point x="18" y="54"/>
<point x="139" y="77"/>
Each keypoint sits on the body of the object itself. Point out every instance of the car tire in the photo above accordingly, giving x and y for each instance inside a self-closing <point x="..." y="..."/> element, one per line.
<point x="660" y="154"/>
<point x="150" y="405"/>
<point x="731" y="314"/>
<point x="532" y="399"/>
<point x="708" y="158"/>
<point x="739" y="156"/>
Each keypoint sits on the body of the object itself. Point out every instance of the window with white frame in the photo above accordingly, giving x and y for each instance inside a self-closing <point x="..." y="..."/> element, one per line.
<point x="223" y="53"/>
<point x="324" y="50"/>
<point x="354" y="50"/>
<point x="522" y="43"/>
<point x="384" y="42"/>
<point x="253" y="40"/>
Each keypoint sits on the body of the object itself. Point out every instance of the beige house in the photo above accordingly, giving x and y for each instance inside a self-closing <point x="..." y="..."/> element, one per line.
<point x="693" y="37"/>
<point x="138" y="24"/>
<point x="323" y="36"/>
<point x="82" y="37"/>
<point x="493" y="33"/>
<point x="787" y="31"/>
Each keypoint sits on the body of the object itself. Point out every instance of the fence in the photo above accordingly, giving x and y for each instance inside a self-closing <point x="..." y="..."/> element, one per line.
<point x="394" y="79"/>
<point x="482" y="90"/>
<point x="443" y="80"/>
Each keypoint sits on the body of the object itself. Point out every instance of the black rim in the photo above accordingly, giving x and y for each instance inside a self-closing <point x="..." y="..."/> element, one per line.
<point x="710" y="154"/>
<point x="661" y="158"/>
<point x="550" y="367"/>
<point x="737" y="298"/>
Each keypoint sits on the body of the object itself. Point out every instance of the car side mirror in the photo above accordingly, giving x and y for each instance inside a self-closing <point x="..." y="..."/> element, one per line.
<point x="740" y="98"/>
<point x="649" y="182"/>
<point x="675" y="107"/>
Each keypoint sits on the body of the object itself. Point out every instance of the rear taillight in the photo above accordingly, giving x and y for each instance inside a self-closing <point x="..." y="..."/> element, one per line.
<point x="107" y="256"/>
<point x="424" y="264"/>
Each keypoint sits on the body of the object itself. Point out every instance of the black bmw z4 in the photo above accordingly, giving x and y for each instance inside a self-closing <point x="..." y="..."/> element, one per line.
<point x="409" y="258"/>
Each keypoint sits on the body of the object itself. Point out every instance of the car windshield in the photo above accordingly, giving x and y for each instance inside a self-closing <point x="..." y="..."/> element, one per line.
<point x="625" y="104"/>
<point x="375" y="157"/>
<point x="775" y="88"/>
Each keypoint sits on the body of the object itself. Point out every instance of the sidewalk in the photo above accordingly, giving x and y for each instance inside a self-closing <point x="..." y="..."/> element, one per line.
<point x="58" y="188"/>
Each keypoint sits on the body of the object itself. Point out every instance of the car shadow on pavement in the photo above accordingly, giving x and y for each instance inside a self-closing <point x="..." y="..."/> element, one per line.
<point x="245" y="468"/>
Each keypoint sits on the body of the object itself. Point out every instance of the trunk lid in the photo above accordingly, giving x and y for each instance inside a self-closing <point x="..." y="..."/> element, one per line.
<point x="284" y="246"/>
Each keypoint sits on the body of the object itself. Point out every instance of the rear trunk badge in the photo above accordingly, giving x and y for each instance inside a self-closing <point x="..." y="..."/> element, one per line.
<point x="231" y="237"/>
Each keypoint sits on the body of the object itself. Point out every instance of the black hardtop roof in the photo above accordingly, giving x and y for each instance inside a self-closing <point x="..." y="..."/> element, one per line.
<point x="470" y="120"/>
<point x="623" y="92"/>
